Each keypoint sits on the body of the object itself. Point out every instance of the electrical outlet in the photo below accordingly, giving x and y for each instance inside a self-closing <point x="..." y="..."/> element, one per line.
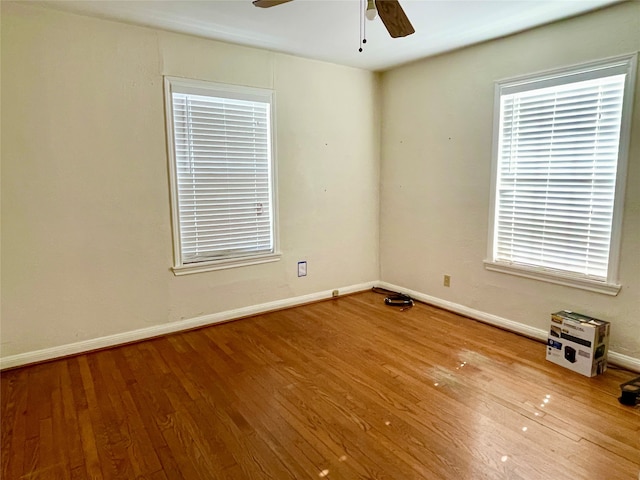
<point x="447" y="281"/>
<point x="302" y="269"/>
<point x="335" y="293"/>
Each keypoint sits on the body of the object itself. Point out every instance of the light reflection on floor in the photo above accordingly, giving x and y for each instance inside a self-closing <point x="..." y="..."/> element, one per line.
<point x="453" y="378"/>
<point x="325" y="472"/>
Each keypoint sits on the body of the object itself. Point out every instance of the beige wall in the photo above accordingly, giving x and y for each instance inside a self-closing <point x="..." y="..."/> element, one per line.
<point x="86" y="233"/>
<point x="436" y="163"/>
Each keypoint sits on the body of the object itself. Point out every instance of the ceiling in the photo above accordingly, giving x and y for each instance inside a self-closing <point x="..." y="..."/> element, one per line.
<point x="329" y="30"/>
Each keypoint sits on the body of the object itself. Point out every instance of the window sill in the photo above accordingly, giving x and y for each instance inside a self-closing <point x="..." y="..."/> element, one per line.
<point x="555" y="277"/>
<point x="224" y="264"/>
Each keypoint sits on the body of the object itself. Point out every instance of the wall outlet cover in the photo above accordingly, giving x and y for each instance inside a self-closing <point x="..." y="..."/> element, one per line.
<point x="302" y="269"/>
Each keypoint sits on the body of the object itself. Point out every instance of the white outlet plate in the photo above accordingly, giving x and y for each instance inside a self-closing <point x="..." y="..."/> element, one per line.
<point x="302" y="269"/>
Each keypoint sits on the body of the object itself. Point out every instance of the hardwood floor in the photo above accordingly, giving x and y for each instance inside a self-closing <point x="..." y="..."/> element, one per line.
<point x="342" y="389"/>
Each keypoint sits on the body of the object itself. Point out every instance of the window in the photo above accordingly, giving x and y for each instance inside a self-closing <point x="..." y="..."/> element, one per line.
<point x="222" y="175"/>
<point x="560" y="148"/>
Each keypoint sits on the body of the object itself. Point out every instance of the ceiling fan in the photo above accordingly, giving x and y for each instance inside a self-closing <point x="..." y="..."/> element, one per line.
<point x="390" y="11"/>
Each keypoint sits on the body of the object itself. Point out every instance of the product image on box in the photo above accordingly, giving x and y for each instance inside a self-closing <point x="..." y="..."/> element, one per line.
<point x="578" y="342"/>
<point x="570" y="354"/>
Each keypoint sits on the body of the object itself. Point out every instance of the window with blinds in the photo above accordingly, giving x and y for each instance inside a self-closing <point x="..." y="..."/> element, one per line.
<point x="559" y="172"/>
<point x="222" y="174"/>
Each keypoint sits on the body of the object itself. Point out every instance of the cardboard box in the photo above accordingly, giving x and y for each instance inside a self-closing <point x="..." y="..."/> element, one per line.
<point x="578" y="342"/>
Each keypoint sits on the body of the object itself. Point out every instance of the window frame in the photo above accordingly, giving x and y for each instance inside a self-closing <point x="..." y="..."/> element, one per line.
<point x="213" y="89"/>
<point x="611" y="285"/>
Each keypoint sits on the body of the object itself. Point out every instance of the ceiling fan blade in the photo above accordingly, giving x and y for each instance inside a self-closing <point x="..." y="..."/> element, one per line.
<point x="268" y="3"/>
<point x="394" y="18"/>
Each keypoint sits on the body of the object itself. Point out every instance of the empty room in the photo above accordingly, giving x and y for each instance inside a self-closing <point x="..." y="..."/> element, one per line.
<point x="303" y="239"/>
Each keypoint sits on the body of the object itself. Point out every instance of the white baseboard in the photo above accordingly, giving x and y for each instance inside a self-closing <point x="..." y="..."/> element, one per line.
<point x="624" y="361"/>
<point x="614" y="358"/>
<point x="45" y="354"/>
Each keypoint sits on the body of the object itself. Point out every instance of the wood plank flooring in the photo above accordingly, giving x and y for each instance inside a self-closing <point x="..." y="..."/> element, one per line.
<point x="342" y="389"/>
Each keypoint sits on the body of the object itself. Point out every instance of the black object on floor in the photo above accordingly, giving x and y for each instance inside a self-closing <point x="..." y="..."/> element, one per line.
<point x="630" y="392"/>
<point x="395" y="299"/>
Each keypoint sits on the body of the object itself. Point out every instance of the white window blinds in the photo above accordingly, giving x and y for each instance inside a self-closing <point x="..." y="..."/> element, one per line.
<point x="223" y="174"/>
<point x="557" y="161"/>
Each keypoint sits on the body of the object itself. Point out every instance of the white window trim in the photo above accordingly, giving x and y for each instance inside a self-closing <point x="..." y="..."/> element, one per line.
<point x="551" y="276"/>
<point x="612" y="285"/>
<point x="225" y="264"/>
<point x="172" y="84"/>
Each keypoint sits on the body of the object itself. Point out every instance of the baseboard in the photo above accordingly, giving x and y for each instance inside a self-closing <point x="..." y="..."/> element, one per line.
<point x="614" y="358"/>
<point x="45" y="354"/>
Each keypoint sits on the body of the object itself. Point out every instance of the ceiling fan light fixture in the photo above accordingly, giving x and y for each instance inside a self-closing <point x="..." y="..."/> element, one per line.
<point x="371" y="12"/>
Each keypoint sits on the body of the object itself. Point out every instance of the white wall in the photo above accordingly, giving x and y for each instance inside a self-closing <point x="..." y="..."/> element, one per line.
<point x="86" y="235"/>
<point x="436" y="162"/>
